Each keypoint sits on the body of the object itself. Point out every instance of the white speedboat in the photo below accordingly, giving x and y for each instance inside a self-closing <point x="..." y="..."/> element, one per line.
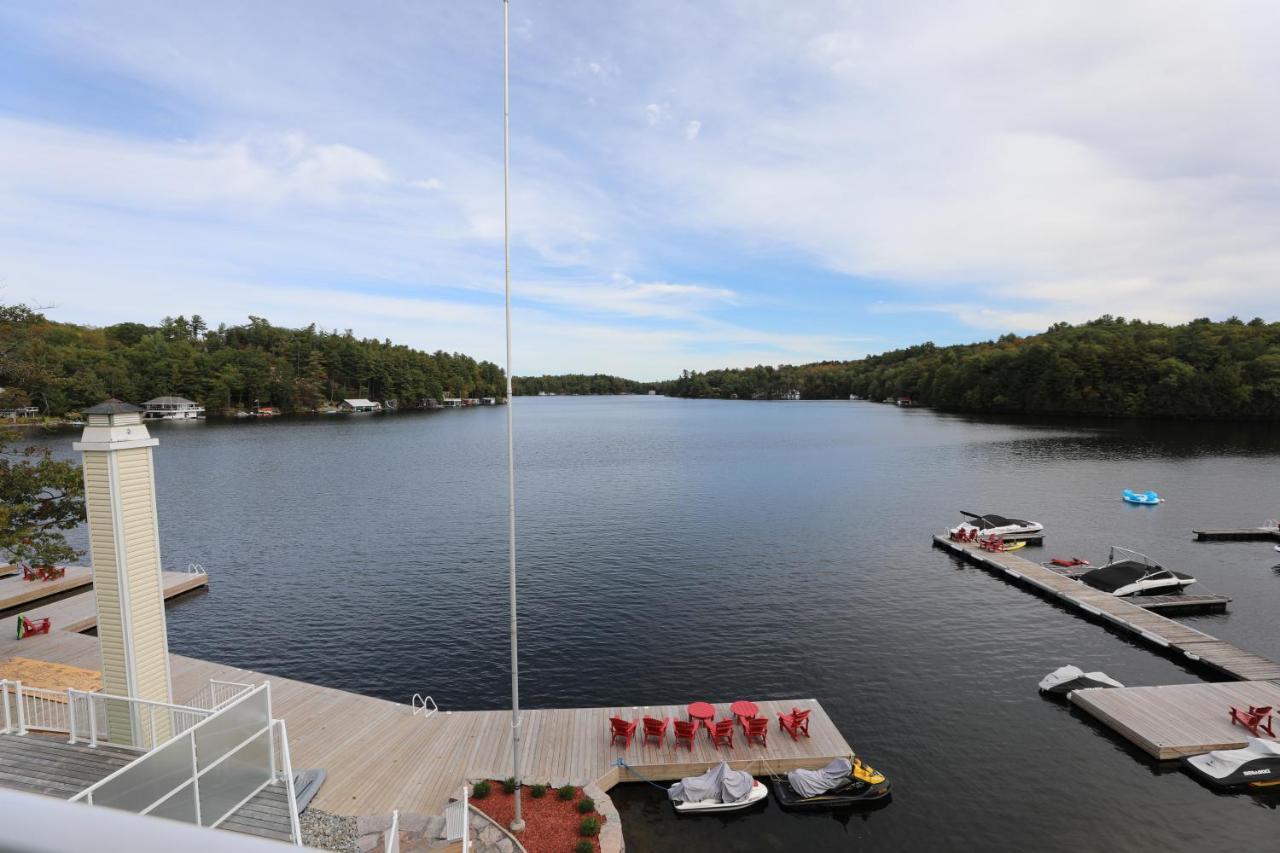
<point x="1065" y="679"/>
<point x="990" y="524"/>
<point x="720" y="789"/>
<point x="1130" y="573"/>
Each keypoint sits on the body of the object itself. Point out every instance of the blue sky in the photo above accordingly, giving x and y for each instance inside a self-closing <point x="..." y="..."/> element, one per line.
<point x="695" y="185"/>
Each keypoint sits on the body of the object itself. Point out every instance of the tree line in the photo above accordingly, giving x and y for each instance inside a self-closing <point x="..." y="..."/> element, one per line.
<point x="1106" y="367"/>
<point x="577" y="383"/>
<point x="63" y="367"/>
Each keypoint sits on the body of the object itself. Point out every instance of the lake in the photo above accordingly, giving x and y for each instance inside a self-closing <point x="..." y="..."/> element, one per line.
<point x="673" y="550"/>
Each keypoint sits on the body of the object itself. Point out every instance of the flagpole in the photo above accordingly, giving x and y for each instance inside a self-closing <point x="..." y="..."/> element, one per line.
<point x="517" y="821"/>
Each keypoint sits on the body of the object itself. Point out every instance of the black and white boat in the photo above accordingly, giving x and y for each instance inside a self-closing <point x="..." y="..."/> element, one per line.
<point x="720" y="789"/>
<point x="841" y="783"/>
<point x="990" y="524"/>
<point x="1064" y="679"/>
<point x="1256" y="764"/>
<point x="1130" y="573"/>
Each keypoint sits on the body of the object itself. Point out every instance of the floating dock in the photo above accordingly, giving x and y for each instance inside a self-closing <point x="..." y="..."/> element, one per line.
<point x="1126" y="616"/>
<point x="1178" y="719"/>
<point x="1238" y="534"/>
<point x="15" y="592"/>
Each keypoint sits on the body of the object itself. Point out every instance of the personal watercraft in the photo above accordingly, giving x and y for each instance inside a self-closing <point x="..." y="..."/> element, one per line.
<point x="1256" y="765"/>
<point x="1135" y="574"/>
<point x="720" y="789"/>
<point x="1064" y="679"/>
<point x="840" y="783"/>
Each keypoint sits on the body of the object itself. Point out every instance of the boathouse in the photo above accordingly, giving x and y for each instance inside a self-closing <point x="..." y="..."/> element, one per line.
<point x="171" y="409"/>
<point x="360" y="405"/>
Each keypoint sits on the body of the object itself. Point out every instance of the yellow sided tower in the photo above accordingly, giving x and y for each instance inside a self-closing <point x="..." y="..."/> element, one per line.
<point x="124" y="544"/>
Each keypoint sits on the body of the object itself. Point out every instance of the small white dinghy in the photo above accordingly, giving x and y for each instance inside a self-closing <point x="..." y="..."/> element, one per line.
<point x="1064" y="679"/>
<point x="720" y="789"/>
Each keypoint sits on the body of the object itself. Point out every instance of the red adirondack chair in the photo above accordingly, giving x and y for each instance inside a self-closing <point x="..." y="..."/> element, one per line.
<point x="656" y="728"/>
<point x="27" y="627"/>
<point x="1258" y="717"/>
<point x="795" y="724"/>
<point x="722" y="733"/>
<point x="624" y="729"/>
<point x="685" y="731"/>
<point x="757" y="728"/>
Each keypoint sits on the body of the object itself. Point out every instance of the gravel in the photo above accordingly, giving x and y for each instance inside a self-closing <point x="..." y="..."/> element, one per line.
<point x="328" y="831"/>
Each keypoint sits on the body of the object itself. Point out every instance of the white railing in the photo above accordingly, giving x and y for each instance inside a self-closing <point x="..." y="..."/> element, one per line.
<point x="204" y="774"/>
<point x="391" y="840"/>
<point x="216" y="694"/>
<point x="457" y="820"/>
<point x="127" y="721"/>
<point x="195" y="569"/>
<point x="424" y="705"/>
<point x="36" y="708"/>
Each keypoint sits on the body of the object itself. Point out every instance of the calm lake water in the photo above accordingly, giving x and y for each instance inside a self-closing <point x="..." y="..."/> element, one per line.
<point x="677" y="549"/>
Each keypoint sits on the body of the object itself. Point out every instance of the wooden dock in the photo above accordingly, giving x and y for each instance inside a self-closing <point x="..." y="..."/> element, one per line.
<point x="1238" y="534"/>
<point x="1179" y="719"/>
<point x="379" y="756"/>
<point x="80" y="612"/>
<point x="15" y="592"/>
<point x="1126" y="616"/>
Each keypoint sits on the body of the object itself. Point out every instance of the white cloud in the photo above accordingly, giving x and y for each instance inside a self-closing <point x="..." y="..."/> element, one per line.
<point x="692" y="129"/>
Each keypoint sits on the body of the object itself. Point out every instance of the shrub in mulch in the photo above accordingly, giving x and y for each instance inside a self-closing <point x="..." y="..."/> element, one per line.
<point x="552" y="824"/>
<point x="537" y="791"/>
<point x="586" y="805"/>
<point x="480" y="790"/>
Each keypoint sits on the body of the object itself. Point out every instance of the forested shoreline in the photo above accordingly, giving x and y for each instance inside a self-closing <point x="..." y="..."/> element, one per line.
<point x="63" y="367"/>
<point x="1108" y="367"/>
<point x="577" y="383"/>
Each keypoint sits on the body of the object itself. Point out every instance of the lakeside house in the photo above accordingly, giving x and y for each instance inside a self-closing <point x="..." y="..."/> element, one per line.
<point x="453" y="402"/>
<point x="359" y="405"/>
<point x="171" y="409"/>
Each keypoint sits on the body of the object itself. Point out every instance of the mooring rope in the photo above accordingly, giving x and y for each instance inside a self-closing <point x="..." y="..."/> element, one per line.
<point x="632" y="770"/>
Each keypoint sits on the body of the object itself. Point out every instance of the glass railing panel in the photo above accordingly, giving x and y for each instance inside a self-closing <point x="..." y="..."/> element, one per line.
<point x="181" y="806"/>
<point x="225" y="786"/>
<point x="231" y="727"/>
<point x="149" y="779"/>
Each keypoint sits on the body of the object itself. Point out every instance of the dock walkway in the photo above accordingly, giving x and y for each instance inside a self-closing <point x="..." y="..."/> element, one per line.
<point x="1237" y="534"/>
<point x="15" y="592"/>
<point x="1151" y="627"/>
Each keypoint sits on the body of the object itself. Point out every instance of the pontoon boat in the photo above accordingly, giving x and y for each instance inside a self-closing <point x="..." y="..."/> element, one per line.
<point x="1135" y="574"/>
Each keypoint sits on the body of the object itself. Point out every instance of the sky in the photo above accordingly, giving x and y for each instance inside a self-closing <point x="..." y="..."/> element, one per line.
<point x="694" y="185"/>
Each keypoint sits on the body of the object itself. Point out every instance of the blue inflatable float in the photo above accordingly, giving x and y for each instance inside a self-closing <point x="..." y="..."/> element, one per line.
<point x="1147" y="497"/>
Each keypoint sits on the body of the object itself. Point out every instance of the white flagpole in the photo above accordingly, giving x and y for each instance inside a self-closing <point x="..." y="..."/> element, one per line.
<point x="517" y="821"/>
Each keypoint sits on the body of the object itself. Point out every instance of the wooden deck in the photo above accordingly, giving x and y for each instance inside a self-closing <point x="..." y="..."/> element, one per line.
<point x="15" y="592"/>
<point x="1179" y="719"/>
<point x="79" y="612"/>
<point x="1237" y="534"/>
<point x="1150" y="627"/>
<point x="380" y="757"/>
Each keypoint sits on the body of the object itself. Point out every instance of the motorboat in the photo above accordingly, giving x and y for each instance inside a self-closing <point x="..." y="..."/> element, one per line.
<point x="1067" y="678"/>
<point x="843" y="782"/>
<point x="1257" y="764"/>
<point x="990" y="524"/>
<point x="1147" y="497"/>
<point x="720" y="789"/>
<point x="1130" y="573"/>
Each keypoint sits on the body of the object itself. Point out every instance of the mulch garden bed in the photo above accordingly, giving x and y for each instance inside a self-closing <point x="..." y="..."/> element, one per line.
<point x="550" y="823"/>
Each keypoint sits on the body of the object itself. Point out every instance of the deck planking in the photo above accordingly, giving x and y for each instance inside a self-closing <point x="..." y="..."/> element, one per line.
<point x="379" y="756"/>
<point x="15" y="592"/>
<point x="1151" y="627"/>
<point x="1176" y="720"/>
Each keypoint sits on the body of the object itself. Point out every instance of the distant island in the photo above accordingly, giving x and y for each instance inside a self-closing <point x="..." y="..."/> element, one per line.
<point x="60" y="368"/>
<point x="1108" y="367"/>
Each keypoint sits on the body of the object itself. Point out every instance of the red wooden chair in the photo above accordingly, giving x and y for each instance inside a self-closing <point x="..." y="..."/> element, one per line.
<point x="1258" y="717"/>
<point x="27" y="627"/>
<point x="795" y="724"/>
<point x="624" y="729"/>
<point x="757" y="728"/>
<point x="28" y="573"/>
<point x="722" y="733"/>
<point x="685" y="731"/>
<point x="742" y="719"/>
<point x="656" y="728"/>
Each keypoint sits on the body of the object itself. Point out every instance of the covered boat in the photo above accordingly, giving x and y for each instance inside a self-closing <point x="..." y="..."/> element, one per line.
<point x="1147" y="497"/>
<point x="990" y="524"/>
<point x="840" y="783"/>
<point x="1064" y="679"/>
<point x="720" y="789"/>
<point x="1257" y="764"/>
<point x="1130" y="573"/>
